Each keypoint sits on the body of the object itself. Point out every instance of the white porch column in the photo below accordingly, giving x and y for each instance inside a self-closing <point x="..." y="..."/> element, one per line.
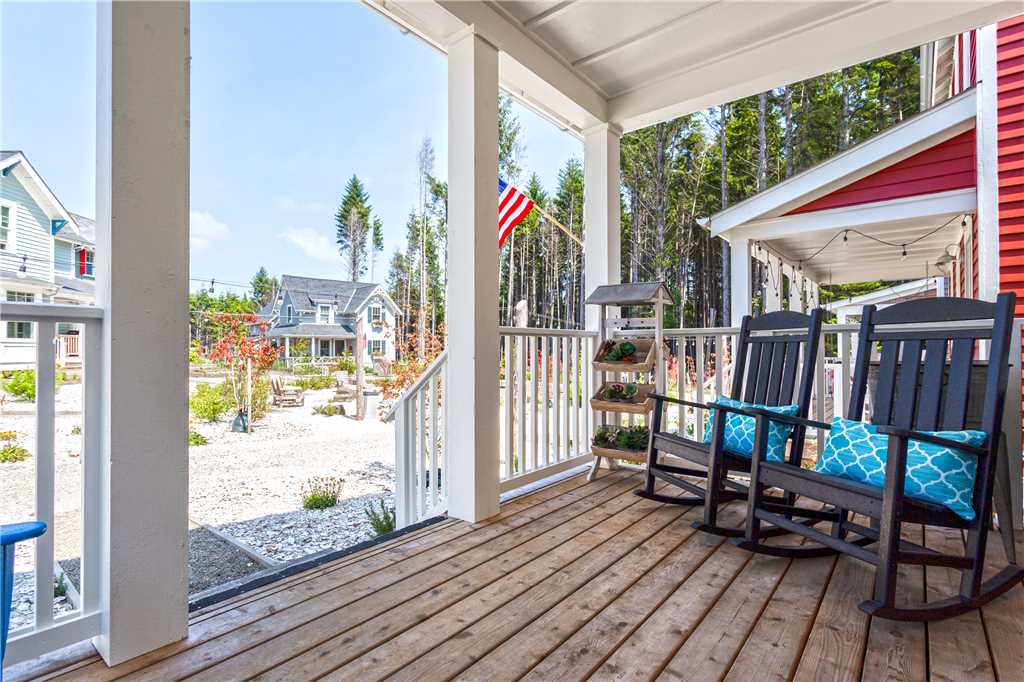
<point x="987" y="147"/>
<point x="473" y="358"/>
<point x="740" y="301"/>
<point x="601" y="212"/>
<point x="142" y="173"/>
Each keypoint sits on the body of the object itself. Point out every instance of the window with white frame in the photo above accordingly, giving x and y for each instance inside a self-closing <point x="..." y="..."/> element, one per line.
<point x="377" y="346"/>
<point x="19" y="330"/>
<point x="323" y="313"/>
<point x="376" y="314"/>
<point x="87" y="263"/>
<point x="5" y="227"/>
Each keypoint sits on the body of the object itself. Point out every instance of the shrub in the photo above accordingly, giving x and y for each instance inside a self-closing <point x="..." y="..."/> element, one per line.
<point x="195" y="438"/>
<point x="381" y="522"/>
<point x="195" y="353"/>
<point x="60" y="588"/>
<point x="76" y="430"/>
<point x="346" y="364"/>
<point x="12" y="452"/>
<point x="307" y="370"/>
<point x="321" y="492"/>
<point x="21" y="383"/>
<point x="208" y="402"/>
<point x="8" y="436"/>
<point x="312" y="383"/>
<point x="328" y="410"/>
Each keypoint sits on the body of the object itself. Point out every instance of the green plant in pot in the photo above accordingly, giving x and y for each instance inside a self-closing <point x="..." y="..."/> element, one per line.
<point x="620" y="352"/>
<point x="604" y="436"/>
<point x="620" y="392"/>
<point x="632" y="437"/>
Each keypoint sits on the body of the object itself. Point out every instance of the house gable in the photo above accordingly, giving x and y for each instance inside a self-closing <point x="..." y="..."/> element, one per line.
<point x="948" y="165"/>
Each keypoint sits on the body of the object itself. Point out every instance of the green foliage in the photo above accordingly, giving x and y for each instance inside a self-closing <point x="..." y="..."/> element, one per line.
<point x="328" y="410"/>
<point x="21" y="383"/>
<point x="195" y="352"/>
<point x="313" y="383"/>
<point x="11" y="451"/>
<point x="622" y="437"/>
<point x="346" y="364"/>
<point x="208" y="402"/>
<point x="263" y="286"/>
<point x="60" y="586"/>
<point x="207" y="330"/>
<point x="321" y="492"/>
<point x="307" y="369"/>
<point x="381" y="522"/>
<point x="195" y="439"/>
<point x="604" y="436"/>
<point x="76" y="430"/>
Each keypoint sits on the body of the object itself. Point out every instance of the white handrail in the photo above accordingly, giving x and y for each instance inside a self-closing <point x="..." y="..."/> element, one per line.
<point x="435" y="366"/>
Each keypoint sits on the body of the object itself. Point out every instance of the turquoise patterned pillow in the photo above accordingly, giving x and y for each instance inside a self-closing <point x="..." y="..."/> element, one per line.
<point x="855" y="450"/>
<point x="739" y="430"/>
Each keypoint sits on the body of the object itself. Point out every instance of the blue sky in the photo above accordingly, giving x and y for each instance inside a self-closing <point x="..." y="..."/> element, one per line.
<point x="288" y="101"/>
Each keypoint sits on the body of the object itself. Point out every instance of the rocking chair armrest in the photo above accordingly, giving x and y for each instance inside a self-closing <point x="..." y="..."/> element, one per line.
<point x="784" y="418"/>
<point x="678" y="401"/>
<point x="910" y="434"/>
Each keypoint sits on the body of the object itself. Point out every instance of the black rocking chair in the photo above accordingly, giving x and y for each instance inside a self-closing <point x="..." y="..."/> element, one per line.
<point x="768" y="357"/>
<point x="923" y="384"/>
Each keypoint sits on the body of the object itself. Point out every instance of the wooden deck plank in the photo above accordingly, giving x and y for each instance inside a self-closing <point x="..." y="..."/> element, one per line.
<point x="696" y="564"/>
<point x="649" y="648"/>
<point x="344" y="634"/>
<point x="1004" y="617"/>
<point x="217" y="638"/>
<point x="710" y="649"/>
<point x="897" y="651"/>
<point x="773" y="648"/>
<point x="562" y="573"/>
<point x="531" y="626"/>
<point x="957" y="648"/>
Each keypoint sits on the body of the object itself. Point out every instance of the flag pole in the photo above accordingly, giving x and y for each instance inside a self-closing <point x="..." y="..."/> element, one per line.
<point x="557" y="224"/>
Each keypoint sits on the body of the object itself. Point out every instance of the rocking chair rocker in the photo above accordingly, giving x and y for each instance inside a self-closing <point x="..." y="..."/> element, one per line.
<point x="768" y="357"/>
<point x="923" y="385"/>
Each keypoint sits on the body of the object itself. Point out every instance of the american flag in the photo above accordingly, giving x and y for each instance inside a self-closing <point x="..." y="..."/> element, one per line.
<point x="513" y="206"/>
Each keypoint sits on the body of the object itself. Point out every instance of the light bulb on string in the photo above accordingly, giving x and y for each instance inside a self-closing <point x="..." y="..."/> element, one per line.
<point x="903" y="256"/>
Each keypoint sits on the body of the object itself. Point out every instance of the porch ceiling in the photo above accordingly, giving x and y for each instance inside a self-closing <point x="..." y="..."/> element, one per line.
<point x="861" y="259"/>
<point x="634" y="64"/>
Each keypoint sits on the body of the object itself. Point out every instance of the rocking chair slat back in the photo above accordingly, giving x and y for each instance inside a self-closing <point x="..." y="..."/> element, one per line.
<point x="773" y="361"/>
<point x="931" y="384"/>
<point x="906" y="391"/>
<point x="958" y="385"/>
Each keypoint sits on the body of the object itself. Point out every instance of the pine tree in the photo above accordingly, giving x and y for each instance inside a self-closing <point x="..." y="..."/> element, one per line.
<point x="263" y="286"/>
<point x="352" y="227"/>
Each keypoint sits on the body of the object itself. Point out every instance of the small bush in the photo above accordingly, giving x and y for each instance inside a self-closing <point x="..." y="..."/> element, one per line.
<point x="8" y="436"/>
<point x="195" y="353"/>
<point x="346" y="364"/>
<point x="195" y="438"/>
<point x="76" y="430"/>
<point x="313" y="383"/>
<point x="381" y="522"/>
<point x="12" y="452"/>
<point x="207" y="402"/>
<point x="60" y="587"/>
<point x="328" y="410"/>
<point x="307" y="370"/>
<point x="321" y="492"/>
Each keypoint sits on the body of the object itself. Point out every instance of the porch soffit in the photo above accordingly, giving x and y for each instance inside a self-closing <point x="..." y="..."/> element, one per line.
<point x="635" y="64"/>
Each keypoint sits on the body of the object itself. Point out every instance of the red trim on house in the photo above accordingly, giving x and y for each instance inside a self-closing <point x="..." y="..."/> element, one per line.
<point x="947" y="166"/>
<point x="81" y="262"/>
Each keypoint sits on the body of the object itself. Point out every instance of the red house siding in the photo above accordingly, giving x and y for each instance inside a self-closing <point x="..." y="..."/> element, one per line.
<point x="946" y="166"/>
<point x="1010" y="113"/>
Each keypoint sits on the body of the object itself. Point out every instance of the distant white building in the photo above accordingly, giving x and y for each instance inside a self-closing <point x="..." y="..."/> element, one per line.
<point x="47" y="255"/>
<point x="323" y="313"/>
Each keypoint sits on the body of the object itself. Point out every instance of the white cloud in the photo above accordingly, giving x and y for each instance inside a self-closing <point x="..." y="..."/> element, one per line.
<point x="314" y="243"/>
<point x="204" y="228"/>
<point x="289" y="204"/>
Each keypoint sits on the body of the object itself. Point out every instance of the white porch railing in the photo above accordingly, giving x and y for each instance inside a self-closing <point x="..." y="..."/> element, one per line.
<point x="47" y="632"/>
<point x="546" y="421"/>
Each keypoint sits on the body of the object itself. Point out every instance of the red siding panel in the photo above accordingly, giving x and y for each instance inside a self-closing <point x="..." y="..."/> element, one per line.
<point x="946" y="166"/>
<point x="1010" y="117"/>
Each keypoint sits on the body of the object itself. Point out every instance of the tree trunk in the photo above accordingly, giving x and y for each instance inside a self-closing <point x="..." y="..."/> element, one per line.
<point x="723" y="119"/>
<point x="787" y="138"/>
<point x="844" y="114"/>
<point x="762" y="142"/>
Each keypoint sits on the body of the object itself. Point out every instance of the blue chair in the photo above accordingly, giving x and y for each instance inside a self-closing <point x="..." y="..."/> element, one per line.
<point x="10" y="535"/>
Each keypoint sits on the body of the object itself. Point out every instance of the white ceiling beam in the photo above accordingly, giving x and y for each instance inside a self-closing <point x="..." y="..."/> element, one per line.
<point x="862" y="32"/>
<point x="548" y="14"/>
<point x="574" y="97"/>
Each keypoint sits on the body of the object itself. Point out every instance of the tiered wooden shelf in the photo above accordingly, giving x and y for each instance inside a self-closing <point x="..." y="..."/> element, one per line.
<point x="647" y="359"/>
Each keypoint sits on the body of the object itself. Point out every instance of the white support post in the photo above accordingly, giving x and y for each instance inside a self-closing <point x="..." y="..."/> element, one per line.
<point x="773" y="287"/>
<point x="740" y="254"/>
<point x="987" y="148"/>
<point x="142" y="204"/>
<point x="601" y="213"/>
<point x="473" y="355"/>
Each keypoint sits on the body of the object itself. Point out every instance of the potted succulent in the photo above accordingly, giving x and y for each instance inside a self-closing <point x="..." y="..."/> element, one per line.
<point x="635" y="355"/>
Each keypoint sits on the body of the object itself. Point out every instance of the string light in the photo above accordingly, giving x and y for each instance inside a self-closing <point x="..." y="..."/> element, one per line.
<point x="903" y="256"/>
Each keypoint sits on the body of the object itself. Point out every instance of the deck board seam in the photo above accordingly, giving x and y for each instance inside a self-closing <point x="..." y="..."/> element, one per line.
<point x="483" y="586"/>
<point x="625" y="589"/>
<point x="810" y="622"/>
<point x="615" y="483"/>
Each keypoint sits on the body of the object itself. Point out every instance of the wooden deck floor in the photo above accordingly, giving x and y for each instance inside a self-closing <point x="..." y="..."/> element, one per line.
<point x="574" y="581"/>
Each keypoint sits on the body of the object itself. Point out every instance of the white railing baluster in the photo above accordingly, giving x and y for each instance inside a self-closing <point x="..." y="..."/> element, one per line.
<point x="434" y="476"/>
<point x="92" y="465"/>
<point x="566" y="370"/>
<point x="520" y="416"/>
<point x="576" y="399"/>
<point x="546" y="419"/>
<point x="532" y="363"/>
<point x="698" y="426"/>
<point x="507" y="407"/>
<point x="45" y="412"/>
<point x="556" y="364"/>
